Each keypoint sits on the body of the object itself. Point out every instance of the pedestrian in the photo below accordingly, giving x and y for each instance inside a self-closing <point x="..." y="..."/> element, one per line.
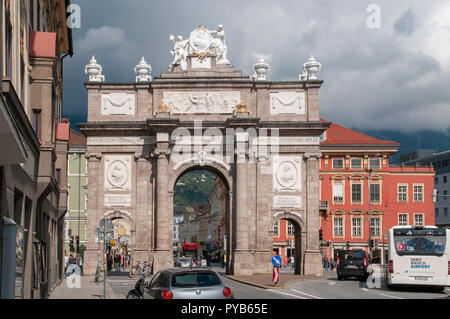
<point x="79" y="262"/>
<point x="292" y="260"/>
<point x="285" y="261"/>
<point x="109" y="261"/>
<point x="325" y="263"/>
<point x="71" y="259"/>
<point x="119" y="261"/>
<point x="331" y="263"/>
<point x="66" y="261"/>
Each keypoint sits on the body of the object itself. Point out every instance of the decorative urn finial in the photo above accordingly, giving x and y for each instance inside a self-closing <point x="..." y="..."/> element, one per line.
<point x="310" y="69"/>
<point x="94" y="71"/>
<point x="142" y="71"/>
<point x="260" y="70"/>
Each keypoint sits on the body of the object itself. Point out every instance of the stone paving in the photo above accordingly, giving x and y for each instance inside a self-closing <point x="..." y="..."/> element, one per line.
<point x="88" y="289"/>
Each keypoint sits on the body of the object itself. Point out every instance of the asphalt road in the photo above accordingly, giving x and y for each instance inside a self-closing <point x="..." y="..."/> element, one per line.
<point x="329" y="288"/>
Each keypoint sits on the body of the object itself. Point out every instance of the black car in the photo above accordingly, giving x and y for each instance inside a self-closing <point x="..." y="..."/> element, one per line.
<point x="353" y="263"/>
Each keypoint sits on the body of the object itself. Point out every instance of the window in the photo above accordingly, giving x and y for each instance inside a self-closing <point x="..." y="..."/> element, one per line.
<point x="338" y="162"/>
<point x="444" y="179"/>
<point x="356" y="162"/>
<point x="436" y="180"/>
<point x="375" y="227"/>
<point x="418" y="193"/>
<point x="338" y="192"/>
<point x="375" y="192"/>
<point x="356" y="227"/>
<point x="37" y="122"/>
<point x="418" y="219"/>
<point x="436" y="212"/>
<point x="403" y="219"/>
<point x="323" y="137"/>
<point x="445" y="212"/>
<point x="58" y="176"/>
<point x="275" y="229"/>
<point x="8" y="45"/>
<point x="374" y="163"/>
<point x="402" y="193"/>
<point x="290" y="229"/>
<point x="356" y="192"/>
<point x="338" y="227"/>
<point x="445" y="195"/>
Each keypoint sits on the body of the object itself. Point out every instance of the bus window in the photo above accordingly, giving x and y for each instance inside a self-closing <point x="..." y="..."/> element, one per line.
<point x="420" y="245"/>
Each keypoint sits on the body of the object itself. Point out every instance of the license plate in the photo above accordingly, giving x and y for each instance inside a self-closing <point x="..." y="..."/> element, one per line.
<point x="421" y="278"/>
<point x="352" y="267"/>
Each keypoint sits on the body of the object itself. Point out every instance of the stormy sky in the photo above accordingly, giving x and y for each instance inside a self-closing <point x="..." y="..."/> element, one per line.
<point x="387" y="74"/>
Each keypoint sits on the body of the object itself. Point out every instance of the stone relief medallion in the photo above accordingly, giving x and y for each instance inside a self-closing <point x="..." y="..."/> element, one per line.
<point x="222" y="102"/>
<point x="117" y="173"/>
<point x="287" y="103"/>
<point x="118" y="104"/>
<point x="286" y="174"/>
<point x="200" y="39"/>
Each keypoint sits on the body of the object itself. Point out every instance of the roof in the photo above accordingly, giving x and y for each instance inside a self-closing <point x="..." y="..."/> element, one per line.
<point x="339" y="135"/>
<point x="76" y="139"/>
<point x="62" y="131"/>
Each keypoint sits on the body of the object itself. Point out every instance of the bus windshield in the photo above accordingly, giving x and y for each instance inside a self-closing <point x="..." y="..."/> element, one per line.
<point x="422" y="242"/>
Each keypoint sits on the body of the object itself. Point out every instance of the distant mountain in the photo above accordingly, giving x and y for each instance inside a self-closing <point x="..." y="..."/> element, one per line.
<point x="194" y="187"/>
<point x="422" y="139"/>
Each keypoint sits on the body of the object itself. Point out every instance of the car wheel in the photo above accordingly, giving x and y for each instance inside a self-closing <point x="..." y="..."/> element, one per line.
<point x="131" y="295"/>
<point x="340" y="278"/>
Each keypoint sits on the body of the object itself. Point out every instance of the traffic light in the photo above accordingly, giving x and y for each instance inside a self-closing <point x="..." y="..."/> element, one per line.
<point x="71" y="247"/>
<point x="320" y="234"/>
<point x="78" y="244"/>
<point x="371" y="243"/>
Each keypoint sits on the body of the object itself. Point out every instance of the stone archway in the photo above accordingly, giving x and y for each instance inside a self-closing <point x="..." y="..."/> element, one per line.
<point x="300" y="236"/>
<point x="269" y="161"/>
<point x="224" y="174"/>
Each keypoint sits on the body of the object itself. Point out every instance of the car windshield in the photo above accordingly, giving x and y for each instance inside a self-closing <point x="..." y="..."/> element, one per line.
<point x="352" y="255"/>
<point x="184" y="260"/>
<point x="195" y="280"/>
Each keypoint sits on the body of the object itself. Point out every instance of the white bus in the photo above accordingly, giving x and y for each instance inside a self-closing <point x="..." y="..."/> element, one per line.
<point x="417" y="256"/>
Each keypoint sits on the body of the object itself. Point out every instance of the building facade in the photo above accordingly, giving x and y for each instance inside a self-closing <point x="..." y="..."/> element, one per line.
<point x="75" y="219"/>
<point x="358" y="182"/>
<point x="441" y="163"/>
<point x="35" y="38"/>
<point x="135" y="132"/>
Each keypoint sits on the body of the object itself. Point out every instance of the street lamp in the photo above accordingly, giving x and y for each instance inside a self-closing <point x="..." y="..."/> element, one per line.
<point x="370" y="217"/>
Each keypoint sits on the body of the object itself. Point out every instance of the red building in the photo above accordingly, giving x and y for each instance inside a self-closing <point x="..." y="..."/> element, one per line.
<point x="399" y="195"/>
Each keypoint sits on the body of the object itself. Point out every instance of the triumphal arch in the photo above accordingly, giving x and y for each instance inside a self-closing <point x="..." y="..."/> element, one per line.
<point x="260" y="137"/>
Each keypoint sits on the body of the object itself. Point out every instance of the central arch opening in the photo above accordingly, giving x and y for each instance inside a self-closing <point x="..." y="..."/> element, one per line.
<point x="200" y="219"/>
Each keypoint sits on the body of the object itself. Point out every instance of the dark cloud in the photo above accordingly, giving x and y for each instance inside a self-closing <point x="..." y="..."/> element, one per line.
<point x="373" y="78"/>
<point x="405" y="24"/>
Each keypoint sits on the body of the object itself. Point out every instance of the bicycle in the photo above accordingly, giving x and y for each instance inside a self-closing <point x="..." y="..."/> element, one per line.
<point x="140" y="271"/>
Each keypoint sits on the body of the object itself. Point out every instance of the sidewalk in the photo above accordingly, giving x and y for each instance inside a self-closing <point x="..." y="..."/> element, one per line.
<point x="89" y="290"/>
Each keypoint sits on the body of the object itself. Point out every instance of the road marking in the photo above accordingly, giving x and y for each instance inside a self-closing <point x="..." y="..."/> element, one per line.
<point x="285" y="293"/>
<point x="332" y="283"/>
<point x="303" y="293"/>
<point x="365" y="289"/>
<point x="390" y="296"/>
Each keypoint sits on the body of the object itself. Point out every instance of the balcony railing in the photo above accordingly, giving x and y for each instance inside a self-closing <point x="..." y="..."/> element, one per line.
<point x="324" y="205"/>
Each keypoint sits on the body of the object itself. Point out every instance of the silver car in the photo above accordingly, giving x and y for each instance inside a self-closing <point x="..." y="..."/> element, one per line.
<point x="185" y="262"/>
<point x="187" y="284"/>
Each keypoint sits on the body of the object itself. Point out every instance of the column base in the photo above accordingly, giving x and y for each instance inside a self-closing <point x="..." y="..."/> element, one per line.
<point x="162" y="259"/>
<point x="313" y="263"/>
<point x="243" y="263"/>
<point x="90" y="262"/>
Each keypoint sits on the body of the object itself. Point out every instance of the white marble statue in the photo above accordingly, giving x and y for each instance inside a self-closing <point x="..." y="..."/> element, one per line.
<point x="179" y="52"/>
<point x="218" y="45"/>
<point x="201" y="42"/>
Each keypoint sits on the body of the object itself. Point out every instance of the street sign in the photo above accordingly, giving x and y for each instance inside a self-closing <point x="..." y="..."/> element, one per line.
<point x="276" y="275"/>
<point x="276" y="261"/>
